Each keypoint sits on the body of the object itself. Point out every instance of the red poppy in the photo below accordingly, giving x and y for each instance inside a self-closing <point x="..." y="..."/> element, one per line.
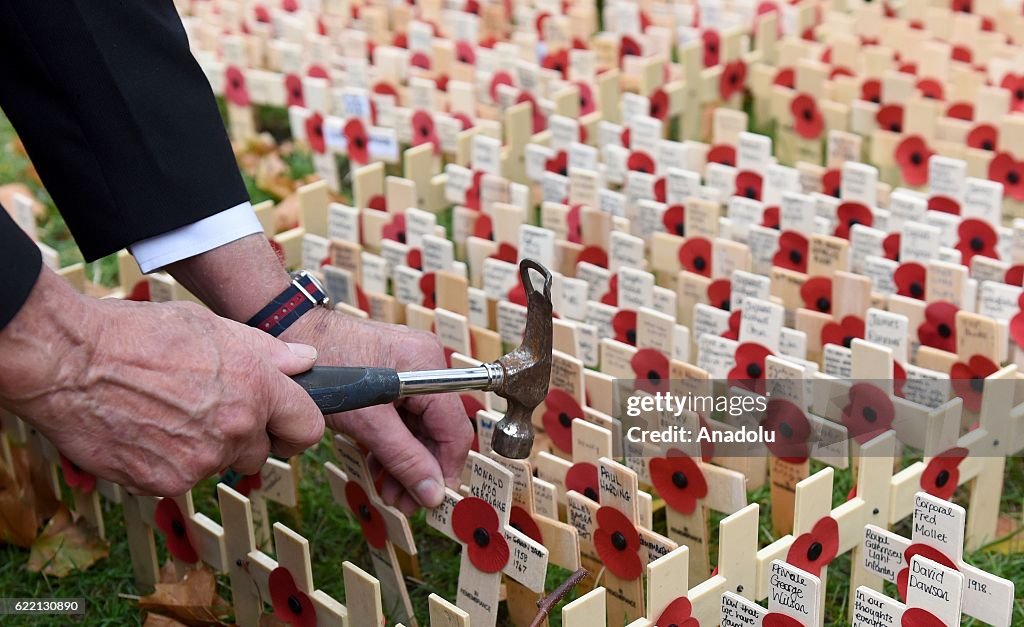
<point x="816" y="293"/>
<point x="171" y="522"/>
<point x="464" y="120"/>
<point x="944" y="204"/>
<point x="651" y="368"/>
<point x="939" y="327"/>
<point x="659" y="104"/>
<point x="521" y="520"/>
<point x="594" y="255"/>
<point x="293" y="91"/>
<point x="813" y="550"/>
<point x="695" y="256"/>
<point x="749" y="371"/>
<point x="560" y="409"/>
<point x="315" y="133"/>
<point x="420" y="60"/>
<point x="378" y="202"/>
<point x="261" y="14"/>
<point x="483" y="227"/>
<point x="911" y="279"/>
<point x="624" y="324"/>
<point x="850" y="214"/>
<point x="140" y="291"/>
<point x="733" y="331"/>
<point x="871" y="90"/>
<point x="291" y="6"/>
<point x="559" y="164"/>
<point x="557" y="61"/>
<point x="961" y="111"/>
<point x="476" y="525"/>
<point x="891" y="246"/>
<point x="789" y="429"/>
<point x="414" y="258"/>
<point x="374" y="529"/>
<point x="869" y="413"/>
<point x="506" y="252"/>
<point x="1010" y="172"/>
<point x="962" y="6"/>
<point x="500" y="77"/>
<point x="678" y="613"/>
<point x="984" y="136"/>
<point x="969" y="380"/>
<point x="640" y="161"/>
<point x="428" y="287"/>
<point x="792" y="252"/>
<point x="807" y="118"/>
<point x="844" y="332"/>
<point x="235" y="90"/>
<point x="358" y="141"/>
<point x="977" y="237"/>
<point x="785" y="77"/>
<point x="890" y="118"/>
<point x="464" y="52"/>
<point x="395" y="230"/>
<point x="778" y="619"/>
<point x="618" y="543"/>
<point x="75" y="477"/>
<point x="912" y="155"/>
<point x="471" y="405"/>
<point x="712" y="47"/>
<point x="582" y="478"/>
<point x="733" y="79"/>
<point x="472" y="200"/>
<point x="423" y="130"/>
<point x="770" y="217"/>
<point x="926" y="551"/>
<point x="291" y="605"/>
<point x="624" y="137"/>
<point x="587" y="104"/>
<point x="942" y="474"/>
<point x="831" y="182"/>
<point x="243" y="484"/>
<point x="908" y="67"/>
<point x="930" y="88"/>
<point x="659" y="189"/>
<point x="719" y="292"/>
<point x="920" y="617"/>
<point x="573" y="227"/>
<point x="748" y="185"/>
<point x="1014" y="83"/>
<point x="840" y="70"/>
<point x="383" y="88"/>
<point x="629" y="47"/>
<point x="679" y="480"/>
<point x="722" y="153"/>
<point x="1015" y="275"/>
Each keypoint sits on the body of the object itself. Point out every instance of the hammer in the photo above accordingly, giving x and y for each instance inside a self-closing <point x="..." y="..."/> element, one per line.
<point x="520" y="377"/>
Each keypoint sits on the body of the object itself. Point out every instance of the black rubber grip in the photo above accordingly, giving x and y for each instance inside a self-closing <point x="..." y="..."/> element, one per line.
<point x="344" y="389"/>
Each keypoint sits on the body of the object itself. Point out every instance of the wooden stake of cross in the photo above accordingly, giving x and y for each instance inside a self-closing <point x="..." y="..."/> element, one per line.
<point x="940" y="595"/>
<point x="667" y="580"/>
<point x="278" y="483"/>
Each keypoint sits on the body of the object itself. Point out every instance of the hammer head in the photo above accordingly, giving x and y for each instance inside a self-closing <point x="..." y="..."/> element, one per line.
<point x="527" y="368"/>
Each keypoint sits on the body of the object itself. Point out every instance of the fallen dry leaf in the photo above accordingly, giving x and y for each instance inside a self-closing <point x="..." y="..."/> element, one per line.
<point x="159" y="620"/>
<point x="65" y="546"/>
<point x="18" y="521"/>
<point x="192" y="601"/>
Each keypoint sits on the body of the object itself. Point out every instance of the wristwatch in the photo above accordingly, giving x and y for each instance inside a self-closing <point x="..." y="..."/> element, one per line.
<point x="305" y="293"/>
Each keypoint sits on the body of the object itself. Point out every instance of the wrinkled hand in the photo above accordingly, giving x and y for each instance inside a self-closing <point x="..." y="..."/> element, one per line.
<point x="421" y="442"/>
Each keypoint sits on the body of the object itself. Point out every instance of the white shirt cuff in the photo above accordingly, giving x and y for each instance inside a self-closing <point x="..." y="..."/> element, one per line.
<point x="196" y="238"/>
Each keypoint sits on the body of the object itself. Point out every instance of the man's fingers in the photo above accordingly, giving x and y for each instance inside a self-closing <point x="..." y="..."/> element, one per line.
<point x="252" y="454"/>
<point x="444" y="419"/>
<point x="295" y="423"/>
<point x="290" y="359"/>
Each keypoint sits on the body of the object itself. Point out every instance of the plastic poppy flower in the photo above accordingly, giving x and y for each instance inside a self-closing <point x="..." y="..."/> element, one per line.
<point x="472" y="199"/>
<point x="851" y="214"/>
<point x="816" y="293"/>
<point x="414" y="258"/>
<point x="733" y="330"/>
<point x="942" y="474"/>
<point x="749" y="370"/>
<point x="984" y="136"/>
<point x="651" y="369"/>
<point x="912" y="155"/>
<point x="618" y="544"/>
<point x="471" y="405"/>
<point x="785" y="77"/>
<point x="557" y="61"/>
<point x="789" y="429"/>
<point x="420" y="60"/>
<point x="559" y="164"/>
<point x="315" y="134"/>
<point x="969" y="380"/>
<point x="815" y="549"/>
<point x="1010" y="172"/>
<point x="586" y="98"/>
<point x="695" y="256"/>
<point x="962" y="6"/>
<point x="843" y="332"/>
<point x="140" y="291"/>
<point x="840" y="70"/>
<point x="378" y="202"/>
<point x="358" y="141"/>
<point x="871" y="90"/>
<point x="367" y="515"/>
<point x="624" y="137"/>
<point x="869" y="413"/>
<point x="911" y="280"/>
<point x="719" y="293"/>
<point x="243" y="484"/>
<point x="629" y="47"/>
<point x="293" y="91"/>
<point x="574" y="229"/>
<point x="476" y="525"/>
<point x="506" y="252"/>
<point x="1014" y="83"/>
<point x="748" y="185"/>
<point x="423" y="130"/>
<point x="75" y="477"/>
<point x="722" y="153"/>
<point x="678" y="613"/>
<point x="712" y="47"/>
<point x="770" y="217"/>
<point x="624" y="324"/>
<point x="930" y="88"/>
<point x="960" y="111"/>
<point x="560" y="409"/>
<point x="792" y="252"/>
<point x="464" y="52"/>
<point x="807" y="119"/>
<point x="483" y="227"/>
<point x="733" y="79"/>
<point x="521" y="520"/>
<point x="235" y="90"/>
<point x="939" y="327"/>
<point x="500" y="77"/>
<point x="891" y="246"/>
<point x="977" y="237"/>
<point x="679" y="480"/>
<point x="1015" y="275"/>
<point x="831" y="182"/>
<point x="395" y="230"/>
<point x="659" y="104"/>
<point x="291" y="605"/>
<point x="594" y="255"/>
<point x="582" y="478"/>
<point x="778" y="619"/>
<point x="909" y="67"/>
<point x="428" y="287"/>
<point x="171" y="522"/>
<point x="659" y="189"/>
<point x="639" y="161"/>
<point x="944" y="204"/>
<point x="926" y="551"/>
<point x="920" y="617"/>
<point x="464" y="120"/>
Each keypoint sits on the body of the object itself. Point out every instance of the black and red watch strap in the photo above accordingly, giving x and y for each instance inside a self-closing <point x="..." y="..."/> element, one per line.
<point x="301" y="296"/>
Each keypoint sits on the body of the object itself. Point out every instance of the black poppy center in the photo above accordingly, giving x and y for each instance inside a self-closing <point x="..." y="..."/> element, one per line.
<point x="944" y="330"/>
<point x="986" y="144"/>
<point x="619" y="541"/>
<point x="359" y="142"/>
<point x="916" y="158"/>
<point x="652" y="375"/>
<point x="977" y="244"/>
<point x="590" y="493"/>
<point x="700" y="263"/>
<point x="733" y="78"/>
<point x="786" y="430"/>
<point x="796" y="256"/>
<point x="680" y="229"/>
<point x="557" y="67"/>
<point x="724" y="304"/>
<point x="750" y="192"/>
<point x="364" y="512"/>
<point x="875" y="99"/>
<point x="977" y="383"/>
<point x="808" y="115"/>
<point x="823" y="304"/>
<point x="565" y="420"/>
<point x="177" y="528"/>
<point x="679" y="480"/>
<point x="895" y="127"/>
<point x="1018" y="94"/>
<point x="482" y="537"/>
<point x="631" y="336"/>
<point x="564" y="170"/>
<point x="916" y="289"/>
<point x="754" y="371"/>
<point x="814" y="551"/>
<point x="236" y="84"/>
<point x="847" y="341"/>
<point x="424" y="131"/>
<point x="294" y="604"/>
<point x="853" y="222"/>
<point x="869" y="414"/>
<point x="401" y="236"/>
<point x="1012" y="177"/>
<point x="712" y="48"/>
<point x="942" y="478"/>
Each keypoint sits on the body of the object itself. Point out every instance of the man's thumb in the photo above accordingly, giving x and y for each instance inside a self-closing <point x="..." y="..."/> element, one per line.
<point x="291" y="359"/>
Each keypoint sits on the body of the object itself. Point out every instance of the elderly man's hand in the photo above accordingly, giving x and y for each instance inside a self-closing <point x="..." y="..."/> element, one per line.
<point x="422" y="441"/>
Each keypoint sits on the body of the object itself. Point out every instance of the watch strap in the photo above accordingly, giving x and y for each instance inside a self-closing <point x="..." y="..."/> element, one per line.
<point x="290" y="305"/>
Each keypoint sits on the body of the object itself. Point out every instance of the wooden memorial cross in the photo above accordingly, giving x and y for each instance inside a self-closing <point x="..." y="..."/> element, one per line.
<point x="588" y="610"/>
<point x="934" y="597"/>
<point x="590" y="442"/>
<point x="491" y="545"/>
<point x="938" y="534"/>
<point x="383" y="527"/>
<point x="667" y="588"/>
<point x="794" y="598"/>
<point x="286" y="583"/>
<point x="277" y="482"/>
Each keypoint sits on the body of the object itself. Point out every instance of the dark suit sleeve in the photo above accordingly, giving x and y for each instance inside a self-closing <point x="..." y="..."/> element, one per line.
<point x="20" y="263"/>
